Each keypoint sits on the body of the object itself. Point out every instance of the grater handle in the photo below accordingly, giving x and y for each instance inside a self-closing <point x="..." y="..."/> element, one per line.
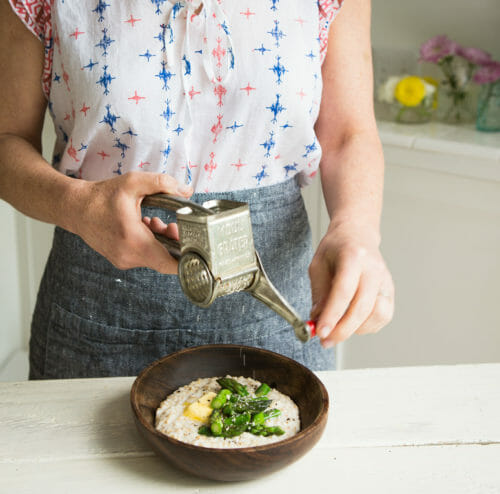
<point x="173" y="246"/>
<point x="173" y="203"/>
<point x="262" y="289"/>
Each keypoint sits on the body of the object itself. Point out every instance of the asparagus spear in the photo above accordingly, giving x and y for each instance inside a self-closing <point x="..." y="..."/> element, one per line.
<point x="261" y="417"/>
<point x="220" y="400"/>
<point x="262" y="430"/>
<point x="216" y="423"/>
<point x="233" y="386"/>
<point x="205" y="430"/>
<point x="262" y="390"/>
<point x="236" y="425"/>
<point x="253" y="405"/>
<point x="269" y="431"/>
<point x="234" y="430"/>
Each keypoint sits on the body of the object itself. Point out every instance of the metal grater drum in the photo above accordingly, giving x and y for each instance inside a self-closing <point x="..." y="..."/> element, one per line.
<point x="196" y="280"/>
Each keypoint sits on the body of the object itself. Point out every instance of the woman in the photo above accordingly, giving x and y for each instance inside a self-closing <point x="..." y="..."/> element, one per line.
<point x="218" y="99"/>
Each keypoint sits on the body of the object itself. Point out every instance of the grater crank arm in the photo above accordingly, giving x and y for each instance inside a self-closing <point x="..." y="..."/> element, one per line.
<point x="172" y="203"/>
<point x="262" y="289"/>
<point x="173" y="246"/>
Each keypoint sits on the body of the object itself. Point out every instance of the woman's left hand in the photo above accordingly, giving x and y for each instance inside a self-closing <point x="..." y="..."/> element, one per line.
<point x="352" y="289"/>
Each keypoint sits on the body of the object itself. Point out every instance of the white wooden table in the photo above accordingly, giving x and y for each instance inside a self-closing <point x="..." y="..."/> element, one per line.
<point x="402" y="430"/>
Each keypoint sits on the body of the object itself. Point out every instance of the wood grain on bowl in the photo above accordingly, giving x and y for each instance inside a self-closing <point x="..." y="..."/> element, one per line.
<point x="288" y="376"/>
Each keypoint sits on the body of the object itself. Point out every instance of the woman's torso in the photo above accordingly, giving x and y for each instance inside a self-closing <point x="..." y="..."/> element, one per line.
<point x="223" y="99"/>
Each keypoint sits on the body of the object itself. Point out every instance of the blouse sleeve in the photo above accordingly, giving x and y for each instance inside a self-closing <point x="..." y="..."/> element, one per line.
<point x="328" y="9"/>
<point x="36" y="16"/>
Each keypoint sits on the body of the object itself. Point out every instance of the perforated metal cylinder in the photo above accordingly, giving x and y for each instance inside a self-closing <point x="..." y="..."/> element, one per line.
<point x="196" y="279"/>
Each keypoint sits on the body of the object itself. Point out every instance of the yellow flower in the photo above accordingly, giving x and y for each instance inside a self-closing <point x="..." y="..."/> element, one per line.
<point x="431" y="80"/>
<point x="435" y="83"/>
<point x="410" y="91"/>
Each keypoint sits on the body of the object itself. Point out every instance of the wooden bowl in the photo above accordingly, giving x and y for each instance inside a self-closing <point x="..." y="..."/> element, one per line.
<point x="164" y="376"/>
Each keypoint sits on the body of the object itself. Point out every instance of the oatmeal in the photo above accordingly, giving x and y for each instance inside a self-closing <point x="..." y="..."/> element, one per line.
<point x="188" y="410"/>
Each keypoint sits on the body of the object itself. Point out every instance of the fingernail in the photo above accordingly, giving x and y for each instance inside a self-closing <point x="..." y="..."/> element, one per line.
<point x="323" y="331"/>
<point x="184" y="189"/>
<point x="328" y="344"/>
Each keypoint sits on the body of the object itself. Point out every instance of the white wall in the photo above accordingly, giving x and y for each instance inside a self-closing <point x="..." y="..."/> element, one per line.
<point x="405" y="25"/>
<point x="10" y="291"/>
<point x="399" y="27"/>
<point x="24" y="247"/>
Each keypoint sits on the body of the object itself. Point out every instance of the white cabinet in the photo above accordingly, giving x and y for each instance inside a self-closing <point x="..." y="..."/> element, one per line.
<point x="441" y="240"/>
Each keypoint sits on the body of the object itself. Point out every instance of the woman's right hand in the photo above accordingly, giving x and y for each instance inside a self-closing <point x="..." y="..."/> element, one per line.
<point x="107" y="216"/>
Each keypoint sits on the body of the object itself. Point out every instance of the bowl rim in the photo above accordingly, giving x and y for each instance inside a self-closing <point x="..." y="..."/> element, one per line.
<point x="322" y="415"/>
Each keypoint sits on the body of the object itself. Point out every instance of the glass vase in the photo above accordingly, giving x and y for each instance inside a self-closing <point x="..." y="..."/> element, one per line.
<point x="488" y="108"/>
<point x="455" y="105"/>
<point x="412" y="114"/>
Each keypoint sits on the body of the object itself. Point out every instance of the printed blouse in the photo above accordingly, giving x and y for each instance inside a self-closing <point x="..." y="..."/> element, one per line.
<point x="220" y="94"/>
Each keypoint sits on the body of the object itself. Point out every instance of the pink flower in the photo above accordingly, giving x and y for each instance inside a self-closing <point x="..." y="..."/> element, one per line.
<point x="437" y="48"/>
<point x="489" y="72"/>
<point x="474" y="55"/>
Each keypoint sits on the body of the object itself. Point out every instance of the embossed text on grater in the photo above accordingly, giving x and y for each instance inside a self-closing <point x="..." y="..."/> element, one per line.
<point x="237" y="284"/>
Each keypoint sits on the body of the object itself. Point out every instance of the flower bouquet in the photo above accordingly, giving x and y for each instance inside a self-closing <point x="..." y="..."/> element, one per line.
<point x="411" y="98"/>
<point x="457" y="64"/>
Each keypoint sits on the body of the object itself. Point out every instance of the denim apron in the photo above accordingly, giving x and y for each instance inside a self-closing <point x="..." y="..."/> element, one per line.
<point x="94" y="320"/>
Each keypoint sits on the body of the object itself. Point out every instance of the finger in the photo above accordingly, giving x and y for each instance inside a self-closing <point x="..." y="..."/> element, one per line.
<point x="342" y="290"/>
<point x="146" y="220"/>
<point x="158" y="226"/>
<point x="380" y="316"/>
<point x="154" y="255"/>
<point x="359" y="309"/>
<point x="142" y="249"/>
<point x="321" y="282"/>
<point x="160" y="260"/>
<point x="172" y="231"/>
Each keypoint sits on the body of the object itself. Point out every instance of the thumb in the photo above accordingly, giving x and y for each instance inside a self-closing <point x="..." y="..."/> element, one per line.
<point x="320" y="286"/>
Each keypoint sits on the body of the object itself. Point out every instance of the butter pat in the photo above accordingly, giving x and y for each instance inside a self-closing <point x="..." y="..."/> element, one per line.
<point x="200" y="410"/>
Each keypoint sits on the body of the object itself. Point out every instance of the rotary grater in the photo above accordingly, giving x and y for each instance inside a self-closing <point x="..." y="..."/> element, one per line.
<point x="217" y="256"/>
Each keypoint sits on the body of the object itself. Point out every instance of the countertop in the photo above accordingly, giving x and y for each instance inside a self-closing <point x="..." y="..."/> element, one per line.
<point x="406" y="429"/>
<point x="456" y="149"/>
